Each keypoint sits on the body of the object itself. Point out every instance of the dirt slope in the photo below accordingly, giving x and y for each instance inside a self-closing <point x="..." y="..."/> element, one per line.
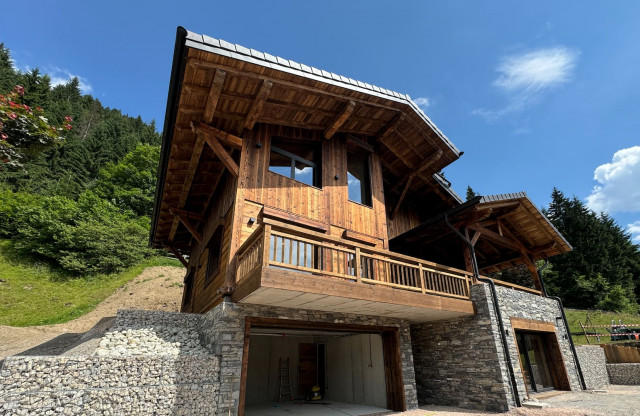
<point x="156" y="288"/>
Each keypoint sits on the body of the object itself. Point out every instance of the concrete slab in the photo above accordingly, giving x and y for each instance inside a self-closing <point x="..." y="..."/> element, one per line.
<point x="324" y="408"/>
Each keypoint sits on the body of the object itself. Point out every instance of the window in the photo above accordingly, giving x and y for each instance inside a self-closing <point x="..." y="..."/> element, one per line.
<point x="359" y="180"/>
<point x="298" y="160"/>
<point x="213" y="260"/>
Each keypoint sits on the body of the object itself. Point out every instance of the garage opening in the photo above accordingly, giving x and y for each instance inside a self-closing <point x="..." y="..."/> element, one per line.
<point x="541" y="362"/>
<point x="320" y="369"/>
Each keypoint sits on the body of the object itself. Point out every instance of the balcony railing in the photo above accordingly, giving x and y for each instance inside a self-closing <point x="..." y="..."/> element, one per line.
<point x="318" y="254"/>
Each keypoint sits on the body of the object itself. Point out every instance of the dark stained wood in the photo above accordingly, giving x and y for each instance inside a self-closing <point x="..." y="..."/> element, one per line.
<point x="178" y="255"/>
<point x="390" y="128"/>
<point x="393" y="371"/>
<point x="495" y="237"/>
<point x="214" y="94"/>
<point x="191" y="227"/>
<point x="184" y="193"/>
<point x="224" y="156"/>
<point x="226" y="138"/>
<point x="339" y="120"/>
<point x="187" y="214"/>
<point x="402" y="195"/>
<point x="293" y="218"/>
<point x="258" y="103"/>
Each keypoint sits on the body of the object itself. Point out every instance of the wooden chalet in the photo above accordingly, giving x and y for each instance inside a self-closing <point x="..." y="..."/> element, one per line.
<point x="287" y="186"/>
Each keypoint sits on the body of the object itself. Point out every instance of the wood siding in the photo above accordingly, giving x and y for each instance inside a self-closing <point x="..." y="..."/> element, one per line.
<point x="219" y="212"/>
<point x="327" y="205"/>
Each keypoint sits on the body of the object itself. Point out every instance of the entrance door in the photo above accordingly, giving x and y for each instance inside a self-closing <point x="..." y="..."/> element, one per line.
<point x="534" y="362"/>
<point x="307" y="368"/>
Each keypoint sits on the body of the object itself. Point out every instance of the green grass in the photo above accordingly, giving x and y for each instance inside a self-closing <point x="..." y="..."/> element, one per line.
<point x="575" y="316"/>
<point x="34" y="294"/>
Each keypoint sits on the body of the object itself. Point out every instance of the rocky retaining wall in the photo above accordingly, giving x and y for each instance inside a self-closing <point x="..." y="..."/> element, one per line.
<point x="593" y="363"/>
<point x="628" y="373"/>
<point x="153" y="364"/>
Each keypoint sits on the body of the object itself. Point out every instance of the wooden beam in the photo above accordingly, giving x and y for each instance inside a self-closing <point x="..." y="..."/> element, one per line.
<point x="258" y="103"/>
<point x="226" y="138"/>
<point x="339" y="120"/>
<point x="220" y="151"/>
<point x="495" y="237"/>
<point x="188" y="180"/>
<point x="402" y="195"/>
<point x="475" y="238"/>
<point x="214" y="95"/>
<point x="390" y="128"/>
<point x="192" y="228"/>
<point x="177" y="254"/>
<point x="187" y="214"/>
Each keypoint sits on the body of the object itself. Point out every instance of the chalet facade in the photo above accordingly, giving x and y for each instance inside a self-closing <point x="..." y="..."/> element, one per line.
<point x="324" y="249"/>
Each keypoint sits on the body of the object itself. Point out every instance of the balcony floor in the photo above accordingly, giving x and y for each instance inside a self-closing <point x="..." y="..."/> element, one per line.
<point x="292" y="289"/>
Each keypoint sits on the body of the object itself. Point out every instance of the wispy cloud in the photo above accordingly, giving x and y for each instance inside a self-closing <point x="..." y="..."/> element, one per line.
<point x="618" y="190"/>
<point x="524" y="78"/>
<point x="61" y="76"/>
<point x="634" y="229"/>
<point x="423" y="102"/>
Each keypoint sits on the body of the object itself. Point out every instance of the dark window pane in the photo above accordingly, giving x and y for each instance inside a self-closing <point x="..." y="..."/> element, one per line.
<point x="358" y="181"/>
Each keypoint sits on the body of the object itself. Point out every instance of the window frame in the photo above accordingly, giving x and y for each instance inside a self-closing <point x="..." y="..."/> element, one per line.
<point x="368" y="188"/>
<point x="315" y="164"/>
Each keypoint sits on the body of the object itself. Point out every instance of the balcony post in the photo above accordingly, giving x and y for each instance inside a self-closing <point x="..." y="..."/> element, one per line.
<point x="357" y="265"/>
<point x="266" y="245"/>
<point x="422" y="284"/>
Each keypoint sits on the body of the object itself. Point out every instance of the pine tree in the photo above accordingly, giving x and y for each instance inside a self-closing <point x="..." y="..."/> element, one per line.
<point x="470" y="193"/>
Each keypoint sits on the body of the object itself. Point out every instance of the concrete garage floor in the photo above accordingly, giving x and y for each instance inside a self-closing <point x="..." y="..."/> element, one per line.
<point x="331" y="408"/>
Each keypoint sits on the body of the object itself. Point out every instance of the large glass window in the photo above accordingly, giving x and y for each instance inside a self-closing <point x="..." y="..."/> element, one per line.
<point x="359" y="180"/>
<point x="298" y="160"/>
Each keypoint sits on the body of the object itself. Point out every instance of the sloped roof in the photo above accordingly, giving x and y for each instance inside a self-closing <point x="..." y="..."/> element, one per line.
<point x="219" y="83"/>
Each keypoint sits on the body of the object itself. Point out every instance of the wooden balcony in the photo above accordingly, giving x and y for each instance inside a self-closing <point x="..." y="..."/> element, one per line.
<point x="292" y="267"/>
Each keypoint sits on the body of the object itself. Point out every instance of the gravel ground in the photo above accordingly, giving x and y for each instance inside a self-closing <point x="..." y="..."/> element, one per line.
<point x="617" y="401"/>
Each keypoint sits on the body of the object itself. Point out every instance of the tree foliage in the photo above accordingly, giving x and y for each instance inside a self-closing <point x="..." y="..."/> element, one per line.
<point x="471" y="193"/>
<point x="603" y="270"/>
<point x="84" y="205"/>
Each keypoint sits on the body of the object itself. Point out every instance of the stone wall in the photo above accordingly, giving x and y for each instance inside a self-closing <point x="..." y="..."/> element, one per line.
<point x="142" y="373"/>
<point x="519" y="304"/>
<point x="460" y="362"/>
<point x="223" y="328"/>
<point x="628" y="373"/>
<point x="593" y="363"/>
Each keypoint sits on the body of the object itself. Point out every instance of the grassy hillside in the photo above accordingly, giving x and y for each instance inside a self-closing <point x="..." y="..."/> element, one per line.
<point x="32" y="294"/>
<point x="575" y="316"/>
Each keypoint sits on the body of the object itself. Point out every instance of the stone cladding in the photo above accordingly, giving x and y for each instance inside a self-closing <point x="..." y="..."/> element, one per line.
<point x="628" y="373"/>
<point x="593" y="363"/>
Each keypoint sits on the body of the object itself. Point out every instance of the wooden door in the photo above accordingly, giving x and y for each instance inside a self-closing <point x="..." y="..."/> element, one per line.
<point x="307" y="368"/>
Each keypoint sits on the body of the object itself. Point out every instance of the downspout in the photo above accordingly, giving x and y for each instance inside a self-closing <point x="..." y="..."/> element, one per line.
<point x="496" y="308"/>
<point x="566" y="324"/>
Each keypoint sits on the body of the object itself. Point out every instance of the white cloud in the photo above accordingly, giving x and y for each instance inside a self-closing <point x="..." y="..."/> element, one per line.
<point x="619" y="189"/>
<point x="61" y="76"/>
<point x="634" y="229"/>
<point x="524" y="78"/>
<point x="422" y="102"/>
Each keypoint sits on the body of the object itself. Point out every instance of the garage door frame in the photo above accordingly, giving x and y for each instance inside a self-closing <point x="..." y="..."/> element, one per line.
<point x="390" y="348"/>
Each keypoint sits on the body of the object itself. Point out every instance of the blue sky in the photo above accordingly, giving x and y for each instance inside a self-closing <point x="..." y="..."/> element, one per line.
<point x="537" y="94"/>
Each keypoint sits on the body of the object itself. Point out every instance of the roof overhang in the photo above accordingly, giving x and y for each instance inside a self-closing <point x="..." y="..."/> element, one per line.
<point x="232" y="88"/>
<point x="508" y="226"/>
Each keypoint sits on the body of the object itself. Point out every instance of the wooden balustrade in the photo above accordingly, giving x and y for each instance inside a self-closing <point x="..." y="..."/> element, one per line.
<point x="313" y="254"/>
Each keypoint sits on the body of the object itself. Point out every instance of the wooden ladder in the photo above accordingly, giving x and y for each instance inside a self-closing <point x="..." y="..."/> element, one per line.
<point x="285" y="382"/>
